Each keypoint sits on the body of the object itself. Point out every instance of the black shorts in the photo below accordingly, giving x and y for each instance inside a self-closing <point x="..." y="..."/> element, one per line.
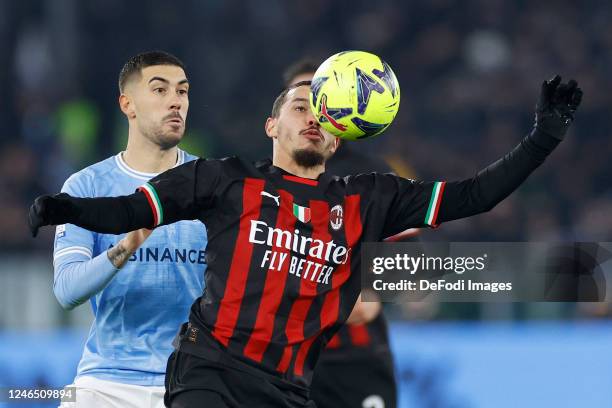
<point x="192" y="381"/>
<point x="361" y="382"/>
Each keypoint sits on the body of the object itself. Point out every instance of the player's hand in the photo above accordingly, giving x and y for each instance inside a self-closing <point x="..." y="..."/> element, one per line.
<point x="557" y="105"/>
<point x="49" y="210"/>
<point x="364" y="312"/>
<point x="133" y="240"/>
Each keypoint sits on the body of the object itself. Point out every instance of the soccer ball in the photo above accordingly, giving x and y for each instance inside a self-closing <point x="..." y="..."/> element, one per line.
<point x="354" y="95"/>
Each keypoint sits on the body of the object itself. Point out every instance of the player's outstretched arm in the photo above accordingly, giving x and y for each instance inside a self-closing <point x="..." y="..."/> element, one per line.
<point x="108" y="215"/>
<point x="174" y="195"/>
<point x="554" y="114"/>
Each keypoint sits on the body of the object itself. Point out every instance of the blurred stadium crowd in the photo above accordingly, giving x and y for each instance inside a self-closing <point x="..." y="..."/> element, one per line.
<point x="470" y="74"/>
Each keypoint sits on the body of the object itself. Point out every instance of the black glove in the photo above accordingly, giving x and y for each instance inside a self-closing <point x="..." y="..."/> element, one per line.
<point x="556" y="107"/>
<point x="50" y="210"/>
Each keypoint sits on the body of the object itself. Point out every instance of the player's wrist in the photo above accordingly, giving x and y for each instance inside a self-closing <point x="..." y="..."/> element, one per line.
<point x="128" y="246"/>
<point x="544" y="139"/>
<point x="119" y="254"/>
<point x="552" y="127"/>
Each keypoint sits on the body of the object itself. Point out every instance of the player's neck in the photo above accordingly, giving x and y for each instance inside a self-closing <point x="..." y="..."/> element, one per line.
<point x="290" y="166"/>
<point x="148" y="157"/>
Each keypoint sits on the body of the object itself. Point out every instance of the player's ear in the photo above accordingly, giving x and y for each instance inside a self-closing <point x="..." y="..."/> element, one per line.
<point x="271" y="128"/>
<point x="125" y="103"/>
<point x="336" y="144"/>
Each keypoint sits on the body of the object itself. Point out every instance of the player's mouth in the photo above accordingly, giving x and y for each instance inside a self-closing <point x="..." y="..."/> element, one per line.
<point x="312" y="134"/>
<point x="174" y="119"/>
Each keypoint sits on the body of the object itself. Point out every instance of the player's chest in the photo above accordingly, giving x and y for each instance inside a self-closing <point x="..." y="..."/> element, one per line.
<point x="300" y="210"/>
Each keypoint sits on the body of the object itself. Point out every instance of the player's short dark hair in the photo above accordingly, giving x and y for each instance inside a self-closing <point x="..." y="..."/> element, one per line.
<point x="304" y="66"/>
<point x="135" y="64"/>
<point x="280" y="99"/>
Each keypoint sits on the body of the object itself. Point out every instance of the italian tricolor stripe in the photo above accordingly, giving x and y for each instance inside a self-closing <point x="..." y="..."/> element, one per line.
<point x="151" y="194"/>
<point x="434" y="203"/>
<point x="301" y="213"/>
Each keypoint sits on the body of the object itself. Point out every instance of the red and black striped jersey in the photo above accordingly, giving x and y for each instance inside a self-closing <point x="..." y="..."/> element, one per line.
<point x="354" y="339"/>
<point x="283" y="252"/>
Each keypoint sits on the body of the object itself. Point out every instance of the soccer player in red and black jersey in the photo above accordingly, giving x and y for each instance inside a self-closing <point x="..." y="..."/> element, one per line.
<point x="285" y="243"/>
<point x="356" y="367"/>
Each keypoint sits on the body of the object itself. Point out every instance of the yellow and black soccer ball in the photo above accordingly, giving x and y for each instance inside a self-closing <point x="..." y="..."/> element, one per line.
<point x="354" y="95"/>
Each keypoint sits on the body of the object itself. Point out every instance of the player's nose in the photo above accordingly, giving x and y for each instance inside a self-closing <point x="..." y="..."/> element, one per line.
<point x="310" y="120"/>
<point x="175" y="102"/>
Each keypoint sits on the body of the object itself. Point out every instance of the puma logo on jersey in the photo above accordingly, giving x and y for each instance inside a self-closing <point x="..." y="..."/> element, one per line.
<point x="275" y="198"/>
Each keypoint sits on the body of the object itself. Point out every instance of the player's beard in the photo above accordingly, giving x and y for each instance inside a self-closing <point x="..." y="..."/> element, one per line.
<point x="164" y="139"/>
<point x="167" y="140"/>
<point x="308" y="158"/>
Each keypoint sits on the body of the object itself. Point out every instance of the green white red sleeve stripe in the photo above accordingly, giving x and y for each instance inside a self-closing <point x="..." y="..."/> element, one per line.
<point x="431" y="217"/>
<point x="153" y="199"/>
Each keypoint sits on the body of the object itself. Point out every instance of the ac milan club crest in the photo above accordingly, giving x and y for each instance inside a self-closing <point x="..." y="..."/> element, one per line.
<point x="335" y="217"/>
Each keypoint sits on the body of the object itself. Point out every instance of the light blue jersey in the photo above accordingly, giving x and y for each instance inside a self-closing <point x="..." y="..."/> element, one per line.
<point x="139" y="308"/>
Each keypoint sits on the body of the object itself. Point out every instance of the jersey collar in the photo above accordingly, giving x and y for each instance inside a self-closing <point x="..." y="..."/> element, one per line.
<point x="266" y="166"/>
<point x="123" y="166"/>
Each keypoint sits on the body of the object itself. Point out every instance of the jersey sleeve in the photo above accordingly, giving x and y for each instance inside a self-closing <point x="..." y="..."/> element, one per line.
<point x="407" y="203"/>
<point x="79" y="273"/>
<point x="73" y="243"/>
<point x="183" y="192"/>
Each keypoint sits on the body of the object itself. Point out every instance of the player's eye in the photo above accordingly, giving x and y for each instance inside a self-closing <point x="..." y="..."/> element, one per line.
<point x="300" y="108"/>
<point x="183" y="92"/>
<point x="159" y="91"/>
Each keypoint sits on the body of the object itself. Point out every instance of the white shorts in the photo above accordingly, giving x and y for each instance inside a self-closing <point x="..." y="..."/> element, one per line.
<point x="92" y="392"/>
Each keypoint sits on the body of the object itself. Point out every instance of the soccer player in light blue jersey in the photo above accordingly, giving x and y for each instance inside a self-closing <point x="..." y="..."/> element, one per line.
<point x="140" y="293"/>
